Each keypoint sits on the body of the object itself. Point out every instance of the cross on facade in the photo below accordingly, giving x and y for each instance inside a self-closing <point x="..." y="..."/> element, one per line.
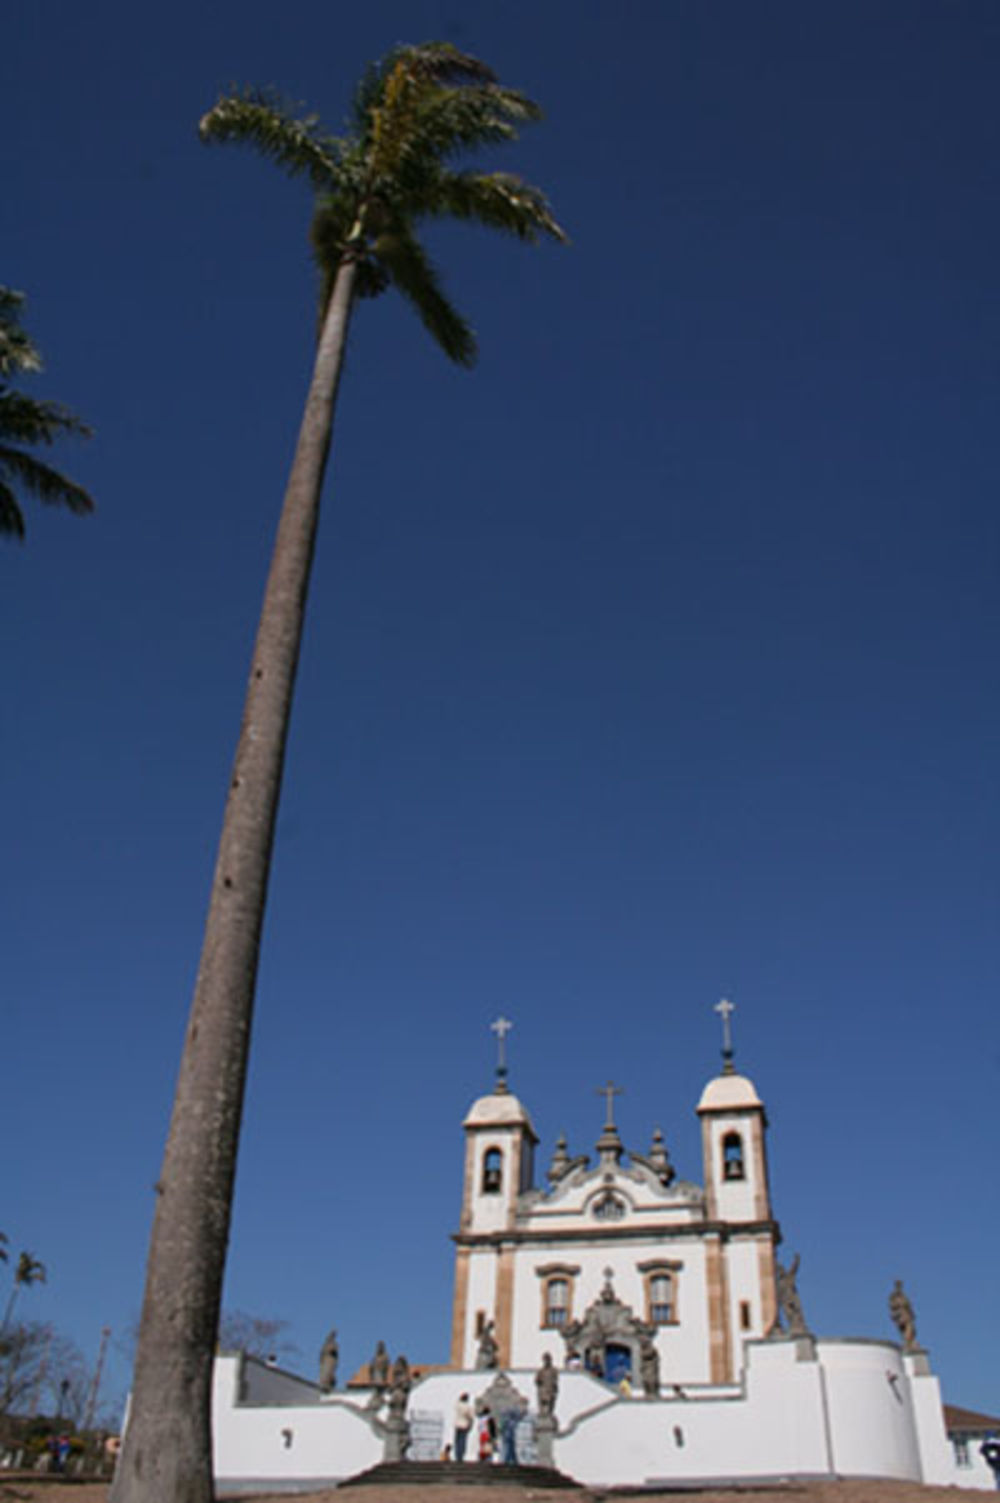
<point x="610" y="1091"/>
<point x="501" y="1026"/>
<point x="725" y="1009"/>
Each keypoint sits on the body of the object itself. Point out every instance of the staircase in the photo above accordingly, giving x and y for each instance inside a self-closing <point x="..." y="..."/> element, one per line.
<point x="465" y="1473"/>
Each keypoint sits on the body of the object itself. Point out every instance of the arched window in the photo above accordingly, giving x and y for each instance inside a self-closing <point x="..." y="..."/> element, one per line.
<point x="555" y="1289"/>
<point x="661" y="1299"/>
<point x="556" y="1302"/>
<point x="661" y="1281"/>
<point x="732" y="1156"/>
<point x="609" y="1208"/>
<point x="492" y="1171"/>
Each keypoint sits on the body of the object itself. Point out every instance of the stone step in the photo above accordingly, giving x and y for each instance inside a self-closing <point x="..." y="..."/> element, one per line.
<point x="468" y="1473"/>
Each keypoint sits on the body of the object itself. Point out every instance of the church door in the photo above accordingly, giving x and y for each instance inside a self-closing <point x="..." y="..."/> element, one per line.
<point x="617" y="1362"/>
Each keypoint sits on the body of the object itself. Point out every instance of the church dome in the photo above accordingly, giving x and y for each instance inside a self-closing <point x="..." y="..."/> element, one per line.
<point x="729" y="1092"/>
<point x="500" y="1109"/>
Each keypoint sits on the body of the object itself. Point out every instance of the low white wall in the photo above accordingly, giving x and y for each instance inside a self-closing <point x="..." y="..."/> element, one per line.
<point x="286" y="1446"/>
<point x="937" y="1456"/>
<point x="774" y="1428"/>
<point x="872" y="1424"/>
<point x="847" y="1408"/>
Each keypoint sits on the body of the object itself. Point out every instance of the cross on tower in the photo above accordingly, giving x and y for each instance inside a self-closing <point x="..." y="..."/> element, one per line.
<point x="501" y="1026"/>
<point x="725" y="1009"/>
<point x="609" y="1092"/>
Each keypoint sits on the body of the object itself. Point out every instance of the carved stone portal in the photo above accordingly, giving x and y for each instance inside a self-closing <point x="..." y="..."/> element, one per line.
<point x="609" y="1338"/>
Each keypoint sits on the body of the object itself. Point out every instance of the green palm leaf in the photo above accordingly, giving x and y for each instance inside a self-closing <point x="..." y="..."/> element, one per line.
<point x="24" y="421"/>
<point x="261" y="119"/>
<point x="411" y="271"/>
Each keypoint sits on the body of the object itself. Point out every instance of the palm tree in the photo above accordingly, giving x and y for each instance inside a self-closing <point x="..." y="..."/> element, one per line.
<point x="25" y="422"/>
<point x="27" y="1272"/>
<point x="414" y="113"/>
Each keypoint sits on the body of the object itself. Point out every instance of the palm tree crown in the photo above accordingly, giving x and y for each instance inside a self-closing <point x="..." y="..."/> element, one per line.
<point x="25" y="423"/>
<point x="413" y="113"/>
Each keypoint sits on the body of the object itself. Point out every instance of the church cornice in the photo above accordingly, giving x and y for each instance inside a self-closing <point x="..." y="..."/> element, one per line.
<point x="726" y="1231"/>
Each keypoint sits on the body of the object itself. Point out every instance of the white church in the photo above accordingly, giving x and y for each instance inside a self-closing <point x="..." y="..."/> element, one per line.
<point x="679" y="1347"/>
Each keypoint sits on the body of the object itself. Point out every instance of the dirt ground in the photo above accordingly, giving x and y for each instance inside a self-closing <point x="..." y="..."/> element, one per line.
<point x="37" y="1490"/>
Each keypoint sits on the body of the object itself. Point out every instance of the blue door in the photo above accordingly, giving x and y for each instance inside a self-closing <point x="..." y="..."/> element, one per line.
<point x="617" y="1363"/>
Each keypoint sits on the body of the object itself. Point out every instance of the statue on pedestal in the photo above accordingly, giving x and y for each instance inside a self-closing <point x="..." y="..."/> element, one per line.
<point x="547" y="1386"/>
<point x="903" y="1317"/>
<point x="378" y="1367"/>
<point x="328" y="1358"/>
<point x="789" y="1301"/>
<point x="402" y="1382"/>
<point x="488" y="1355"/>
<point x="649" y="1366"/>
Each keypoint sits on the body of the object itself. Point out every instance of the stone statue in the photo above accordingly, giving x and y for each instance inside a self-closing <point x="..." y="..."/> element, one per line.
<point x="488" y="1355"/>
<point x="903" y="1317"/>
<point x="399" y="1392"/>
<point x="378" y="1367"/>
<point x="547" y="1386"/>
<point x="649" y="1366"/>
<point x="328" y="1358"/>
<point x="789" y="1301"/>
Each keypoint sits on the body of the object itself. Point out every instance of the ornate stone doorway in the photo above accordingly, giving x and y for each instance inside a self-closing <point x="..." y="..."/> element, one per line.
<point x="607" y="1341"/>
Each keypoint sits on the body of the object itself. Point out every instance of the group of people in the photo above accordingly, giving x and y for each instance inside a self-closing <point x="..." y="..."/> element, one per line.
<point x="495" y="1438"/>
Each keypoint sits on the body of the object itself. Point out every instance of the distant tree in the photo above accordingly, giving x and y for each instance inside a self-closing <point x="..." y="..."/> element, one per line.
<point x="414" y="114"/>
<point x="257" y="1335"/>
<point x="40" y="1370"/>
<point x="28" y="1271"/>
<point x="25" y="423"/>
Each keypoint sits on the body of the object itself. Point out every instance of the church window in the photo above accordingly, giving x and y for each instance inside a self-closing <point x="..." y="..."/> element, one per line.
<point x="732" y="1156"/>
<point x="609" y="1208"/>
<point x="492" y="1171"/>
<point x="556" y="1302"/>
<point x="961" y="1444"/>
<point x="661" y="1303"/>
<point x="556" y="1285"/>
<point x="744" y="1315"/>
<point x="660" y="1280"/>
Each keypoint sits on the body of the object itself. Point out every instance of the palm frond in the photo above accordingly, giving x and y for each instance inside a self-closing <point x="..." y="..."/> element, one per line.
<point x="42" y="481"/>
<point x="497" y="200"/>
<point x="26" y="421"/>
<point x="410" y="82"/>
<point x="407" y="264"/>
<point x="17" y="352"/>
<point x="11" y="525"/>
<point x="459" y="119"/>
<point x="259" y="118"/>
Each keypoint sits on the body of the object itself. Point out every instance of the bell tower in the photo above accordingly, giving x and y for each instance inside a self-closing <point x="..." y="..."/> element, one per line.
<point x="741" y="1287"/>
<point x="500" y="1146"/>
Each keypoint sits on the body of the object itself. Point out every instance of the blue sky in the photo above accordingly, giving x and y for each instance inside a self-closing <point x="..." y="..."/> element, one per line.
<point x="651" y="662"/>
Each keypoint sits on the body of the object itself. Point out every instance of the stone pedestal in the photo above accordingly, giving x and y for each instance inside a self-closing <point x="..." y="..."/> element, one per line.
<point x="545" y="1431"/>
<point x="397" y="1438"/>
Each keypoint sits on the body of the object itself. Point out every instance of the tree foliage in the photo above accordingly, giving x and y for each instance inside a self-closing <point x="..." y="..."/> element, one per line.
<point x="27" y="1271"/>
<point x="414" y="113"/>
<point x="257" y="1335"/>
<point x="41" y="1372"/>
<point x="26" y="423"/>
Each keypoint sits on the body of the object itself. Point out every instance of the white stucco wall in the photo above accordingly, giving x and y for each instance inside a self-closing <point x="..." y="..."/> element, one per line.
<point x="848" y="1408"/>
<point x="937" y="1456"/>
<point x="284" y="1444"/>
<point x="870" y="1409"/>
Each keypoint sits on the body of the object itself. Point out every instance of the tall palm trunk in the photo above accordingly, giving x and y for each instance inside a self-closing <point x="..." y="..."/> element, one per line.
<point x="167" y="1457"/>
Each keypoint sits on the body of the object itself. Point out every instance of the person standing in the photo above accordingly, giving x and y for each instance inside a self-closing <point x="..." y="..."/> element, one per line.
<point x="463" y="1424"/>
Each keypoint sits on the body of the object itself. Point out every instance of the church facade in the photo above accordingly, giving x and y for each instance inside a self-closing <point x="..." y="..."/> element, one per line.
<point x="693" y="1264"/>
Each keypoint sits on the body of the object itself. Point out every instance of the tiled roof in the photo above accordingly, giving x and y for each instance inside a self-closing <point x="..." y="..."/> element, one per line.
<point x="968" y="1421"/>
